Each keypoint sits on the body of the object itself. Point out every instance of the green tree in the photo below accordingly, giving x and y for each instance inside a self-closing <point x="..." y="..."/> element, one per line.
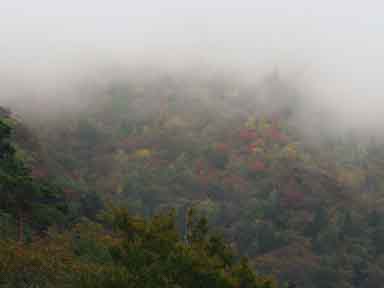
<point x="318" y="223"/>
<point x="152" y="253"/>
<point x="20" y="193"/>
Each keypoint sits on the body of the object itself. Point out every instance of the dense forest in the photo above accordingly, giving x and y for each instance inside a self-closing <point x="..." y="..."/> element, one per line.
<point x="179" y="182"/>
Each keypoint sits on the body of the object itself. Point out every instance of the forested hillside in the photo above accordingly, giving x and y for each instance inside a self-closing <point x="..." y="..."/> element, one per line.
<point x="124" y="193"/>
<point x="46" y="242"/>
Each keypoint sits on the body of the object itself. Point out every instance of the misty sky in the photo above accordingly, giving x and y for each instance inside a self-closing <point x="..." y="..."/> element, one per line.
<point x="336" y="46"/>
<point x="232" y="29"/>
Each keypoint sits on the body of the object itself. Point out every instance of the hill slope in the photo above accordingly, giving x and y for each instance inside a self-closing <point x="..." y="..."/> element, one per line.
<point x="302" y="204"/>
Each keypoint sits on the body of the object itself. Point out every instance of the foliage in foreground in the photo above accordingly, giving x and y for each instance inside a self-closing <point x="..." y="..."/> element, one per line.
<point x="134" y="252"/>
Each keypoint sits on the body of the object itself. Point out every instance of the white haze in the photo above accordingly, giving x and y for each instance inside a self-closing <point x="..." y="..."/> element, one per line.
<point x="332" y="50"/>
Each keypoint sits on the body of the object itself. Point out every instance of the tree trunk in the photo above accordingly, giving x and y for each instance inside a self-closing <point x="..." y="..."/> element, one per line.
<point x="20" y="226"/>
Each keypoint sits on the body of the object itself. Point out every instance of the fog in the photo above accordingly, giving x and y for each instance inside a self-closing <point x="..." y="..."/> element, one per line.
<point x="332" y="52"/>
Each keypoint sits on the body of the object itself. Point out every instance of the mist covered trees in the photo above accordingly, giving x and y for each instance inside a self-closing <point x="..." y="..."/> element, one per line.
<point x="22" y="196"/>
<point x="306" y="209"/>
